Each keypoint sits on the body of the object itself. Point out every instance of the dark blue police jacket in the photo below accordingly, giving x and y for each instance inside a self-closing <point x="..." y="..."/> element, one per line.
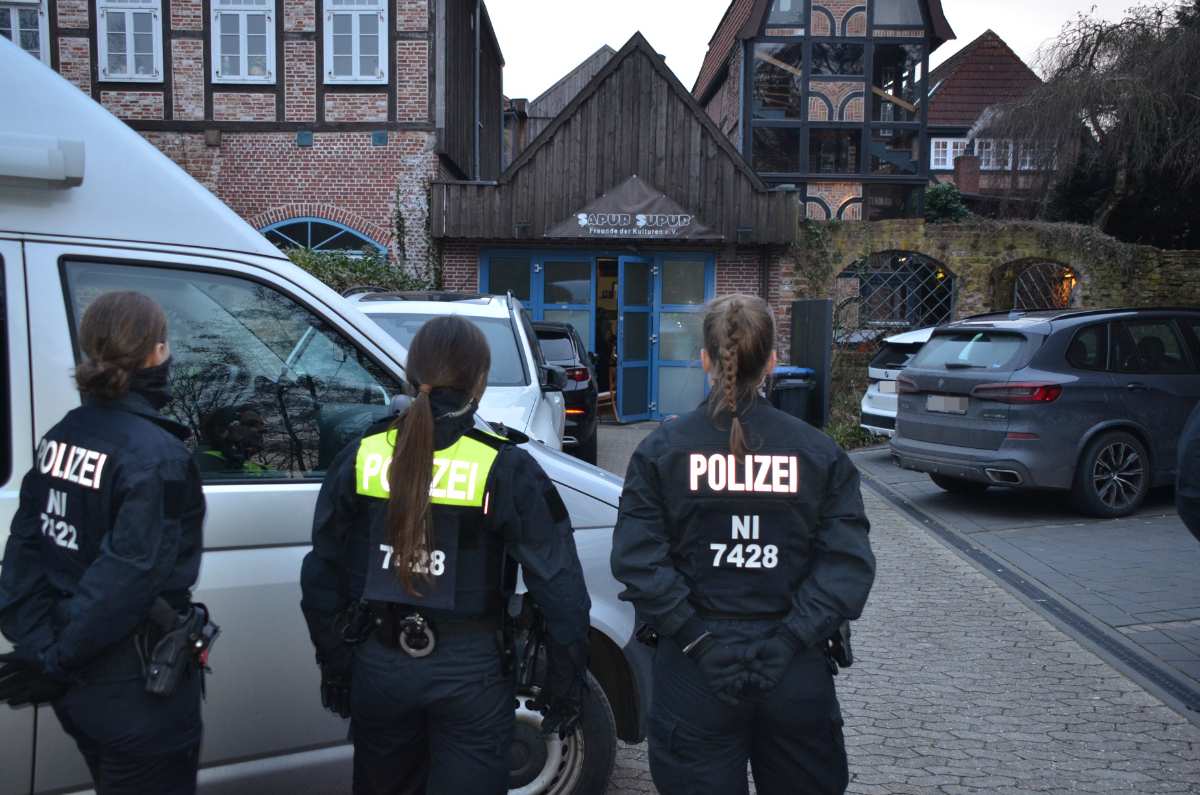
<point x="110" y="518"/>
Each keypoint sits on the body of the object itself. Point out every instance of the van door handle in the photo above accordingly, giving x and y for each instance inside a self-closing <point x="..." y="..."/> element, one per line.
<point x="1136" y="386"/>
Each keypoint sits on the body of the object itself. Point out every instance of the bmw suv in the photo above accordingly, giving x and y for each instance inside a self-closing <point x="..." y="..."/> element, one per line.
<point x="1088" y="402"/>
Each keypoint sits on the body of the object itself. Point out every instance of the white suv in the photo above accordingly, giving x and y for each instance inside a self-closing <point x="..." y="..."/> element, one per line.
<point x="523" y="392"/>
<point x="879" y="403"/>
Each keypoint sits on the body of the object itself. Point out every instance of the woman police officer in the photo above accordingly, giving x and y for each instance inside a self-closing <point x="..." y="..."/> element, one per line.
<point x="105" y="544"/>
<point x="742" y="539"/>
<point x="416" y="527"/>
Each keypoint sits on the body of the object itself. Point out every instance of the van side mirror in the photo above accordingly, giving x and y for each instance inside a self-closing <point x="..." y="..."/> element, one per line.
<point x="554" y="378"/>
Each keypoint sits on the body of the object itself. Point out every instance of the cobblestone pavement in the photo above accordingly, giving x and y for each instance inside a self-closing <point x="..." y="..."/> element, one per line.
<point x="960" y="688"/>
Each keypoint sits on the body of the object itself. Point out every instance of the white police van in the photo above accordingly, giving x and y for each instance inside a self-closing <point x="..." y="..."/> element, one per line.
<point x="86" y="206"/>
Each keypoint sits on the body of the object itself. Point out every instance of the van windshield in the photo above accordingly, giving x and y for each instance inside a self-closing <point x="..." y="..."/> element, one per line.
<point x="507" y="366"/>
<point x="970" y="350"/>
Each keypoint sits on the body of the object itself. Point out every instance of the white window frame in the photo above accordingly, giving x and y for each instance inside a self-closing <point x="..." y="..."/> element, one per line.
<point x="128" y="7"/>
<point x="222" y="8"/>
<point x="955" y="147"/>
<point x="355" y="8"/>
<point x="987" y="160"/>
<point x="15" y="6"/>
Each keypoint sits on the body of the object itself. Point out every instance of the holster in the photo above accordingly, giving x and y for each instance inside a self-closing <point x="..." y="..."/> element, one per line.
<point x="183" y="643"/>
<point x="839" y="649"/>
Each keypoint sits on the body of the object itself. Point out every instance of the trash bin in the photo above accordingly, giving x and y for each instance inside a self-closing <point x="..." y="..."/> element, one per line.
<point x="794" y="390"/>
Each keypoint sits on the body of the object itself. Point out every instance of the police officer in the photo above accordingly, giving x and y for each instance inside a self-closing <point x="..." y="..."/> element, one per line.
<point x="742" y="539"/>
<point x="107" y="534"/>
<point x="232" y="435"/>
<point x="1187" y="485"/>
<point x="416" y="528"/>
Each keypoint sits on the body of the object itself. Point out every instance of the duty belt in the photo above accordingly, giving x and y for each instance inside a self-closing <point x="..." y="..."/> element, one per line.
<point x="716" y="615"/>
<point x="407" y="629"/>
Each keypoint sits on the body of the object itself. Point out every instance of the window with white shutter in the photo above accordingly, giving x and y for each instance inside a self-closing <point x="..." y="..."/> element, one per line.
<point x="24" y="22"/>
<point x="355" y="41"/>
<point x="129" y="40"/>
<point x="243" y="41"/>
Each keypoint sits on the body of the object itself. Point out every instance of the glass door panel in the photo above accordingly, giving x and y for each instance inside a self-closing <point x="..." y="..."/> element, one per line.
<point x="509" y="274"/>
<point x="635" y="295"/>
<point x="568" y="294"/>
<point x="685" y="285"/>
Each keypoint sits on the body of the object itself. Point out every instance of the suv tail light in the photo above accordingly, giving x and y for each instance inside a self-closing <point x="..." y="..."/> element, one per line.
<point x="905" y="385"/>
<point x="1025" y="392"/>
<point x="577" y="374"/>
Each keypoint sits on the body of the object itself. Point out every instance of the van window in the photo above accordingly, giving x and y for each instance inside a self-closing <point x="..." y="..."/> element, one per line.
<point x="1149" y="346"/>
<point x="6" y="453"/>
<point x="1089" y="349"/>
<point x="970" y="350"/>
<point x="268" y="389"/>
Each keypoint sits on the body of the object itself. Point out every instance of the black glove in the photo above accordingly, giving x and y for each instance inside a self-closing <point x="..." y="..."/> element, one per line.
<point x="561" y="699"/>
<point x="335" y="690"/>
<point x="23" y="682"/>
<point x="769" y="658"/>
<point x="723" y="667"/>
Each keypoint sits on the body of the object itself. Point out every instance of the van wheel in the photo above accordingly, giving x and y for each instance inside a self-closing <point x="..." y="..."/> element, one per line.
<point x="586" y="451"/>
<point x="579" y="765"/>
<point x="1113" y="476"/>
<point x="958" y="485"/>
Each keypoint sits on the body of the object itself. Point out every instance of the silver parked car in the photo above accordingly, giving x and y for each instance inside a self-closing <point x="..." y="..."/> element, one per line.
<point x="88" y="205"/>
<point x="879" y="402"/>
<point x="1090" y="402"/>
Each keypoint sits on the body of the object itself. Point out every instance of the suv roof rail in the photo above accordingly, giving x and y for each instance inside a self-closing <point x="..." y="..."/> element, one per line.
<point x="421" y="295"/>
<point x="1060" y="314"/>
<point x="362" y="289"/>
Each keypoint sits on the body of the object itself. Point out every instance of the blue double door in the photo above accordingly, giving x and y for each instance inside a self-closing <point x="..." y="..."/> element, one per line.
<point x="641" y="313"/>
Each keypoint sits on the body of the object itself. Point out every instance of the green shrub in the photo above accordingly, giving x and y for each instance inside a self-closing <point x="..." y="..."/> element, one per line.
<point x="342" y="271"/>
<point x="943" y="203"/>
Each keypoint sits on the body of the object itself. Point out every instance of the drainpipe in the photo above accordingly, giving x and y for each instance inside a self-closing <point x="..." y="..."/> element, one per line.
<point x="475" y="170"/>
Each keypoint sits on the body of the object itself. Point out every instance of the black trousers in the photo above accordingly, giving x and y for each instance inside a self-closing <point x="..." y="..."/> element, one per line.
<point x="442" y="724"/>
<point x="135" y="743"/>
<point x="791" y="736"/>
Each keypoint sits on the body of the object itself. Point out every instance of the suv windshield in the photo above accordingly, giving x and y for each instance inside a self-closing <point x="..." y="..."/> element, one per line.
<point x="969" y="350"/>
<point x="507" y="368"/>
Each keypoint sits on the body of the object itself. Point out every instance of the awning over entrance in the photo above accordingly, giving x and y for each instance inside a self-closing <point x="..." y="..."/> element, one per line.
<point x="633" y="210"/>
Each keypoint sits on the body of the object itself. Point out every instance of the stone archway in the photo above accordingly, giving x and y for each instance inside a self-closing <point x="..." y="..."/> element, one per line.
<point x="1036" y="283"/>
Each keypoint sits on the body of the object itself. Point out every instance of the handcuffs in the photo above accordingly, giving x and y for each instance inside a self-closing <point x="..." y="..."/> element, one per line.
<point x="415" y="637"/>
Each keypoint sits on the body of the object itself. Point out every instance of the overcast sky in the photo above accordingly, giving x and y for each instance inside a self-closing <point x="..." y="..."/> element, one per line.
<point x="544" y="39"/>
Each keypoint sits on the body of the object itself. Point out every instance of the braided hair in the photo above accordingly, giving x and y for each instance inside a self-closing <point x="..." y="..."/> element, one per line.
<point x="739" y="336"/>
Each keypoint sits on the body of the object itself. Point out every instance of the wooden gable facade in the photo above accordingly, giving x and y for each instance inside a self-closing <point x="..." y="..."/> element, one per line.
<point x="634" y="118"/>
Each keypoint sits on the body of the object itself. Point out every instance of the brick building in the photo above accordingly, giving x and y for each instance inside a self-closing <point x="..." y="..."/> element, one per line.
<point x="315" y="120"/>
<point x="827" y="95"/>
<point x="981" y="75"/>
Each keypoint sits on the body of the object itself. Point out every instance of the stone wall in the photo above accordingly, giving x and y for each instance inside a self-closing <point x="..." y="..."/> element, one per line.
<point x="980" y="255"/>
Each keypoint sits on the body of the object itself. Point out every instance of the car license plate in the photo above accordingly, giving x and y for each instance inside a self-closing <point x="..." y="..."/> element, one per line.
<point x="946" y="404"/>
<point x="887" y="387"/>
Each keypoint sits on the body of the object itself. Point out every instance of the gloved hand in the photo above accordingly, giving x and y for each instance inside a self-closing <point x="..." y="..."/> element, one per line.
<point x="723" y="667"/>
<point x="769" y="658"/>
<point x="561" y="699"/>
<point x="335" y="691"/>
<point x="24" y="682"/>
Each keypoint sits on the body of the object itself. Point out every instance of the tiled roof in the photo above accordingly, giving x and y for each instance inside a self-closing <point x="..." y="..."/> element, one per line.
<point x="986" y="72"/>
<point x="740" y="12"/>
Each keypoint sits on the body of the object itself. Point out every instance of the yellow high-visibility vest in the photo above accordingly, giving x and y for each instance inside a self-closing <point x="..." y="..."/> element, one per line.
<point x="460" y="471"/>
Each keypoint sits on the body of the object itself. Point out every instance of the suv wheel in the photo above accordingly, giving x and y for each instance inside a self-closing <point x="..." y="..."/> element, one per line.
<point x="581" y="764"/>
<point x="958" y="485"/>
<point x="1113" y="476"/>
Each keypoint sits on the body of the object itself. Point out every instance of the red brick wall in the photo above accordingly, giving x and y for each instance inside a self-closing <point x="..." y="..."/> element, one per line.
<point x="299" y="15"/>
<point x="73" y="14"/>
<point x="412" y="15"/>
<point x="133" y="104"/>
<point x="300" y="82"/>
<point x="725" y="107"/>
<point x="355" y="107"/>
<point x="188" y="14"/>
<point x="412" y="80"/>
<point x="739" y="271"/>
<point x="460" y="265"/>
<point x="846" y="20"/>
<point x="241" y="106"/>
<point x="187" y="78"/>
<point x="75" y="62"/>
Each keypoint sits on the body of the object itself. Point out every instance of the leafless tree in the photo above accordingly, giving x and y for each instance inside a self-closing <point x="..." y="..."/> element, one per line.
<point x="1127" y="89"/>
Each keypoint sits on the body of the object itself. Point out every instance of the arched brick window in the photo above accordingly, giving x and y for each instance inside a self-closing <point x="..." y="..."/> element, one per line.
<point x="319" y="234"/>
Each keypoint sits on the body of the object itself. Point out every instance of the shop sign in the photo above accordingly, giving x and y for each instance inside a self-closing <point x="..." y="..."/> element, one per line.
<point x="633" y="210"/>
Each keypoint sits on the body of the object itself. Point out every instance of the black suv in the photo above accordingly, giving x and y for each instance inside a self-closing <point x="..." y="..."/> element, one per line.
<point x="562" y="346"/>
<point x="1091" y="402"/>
